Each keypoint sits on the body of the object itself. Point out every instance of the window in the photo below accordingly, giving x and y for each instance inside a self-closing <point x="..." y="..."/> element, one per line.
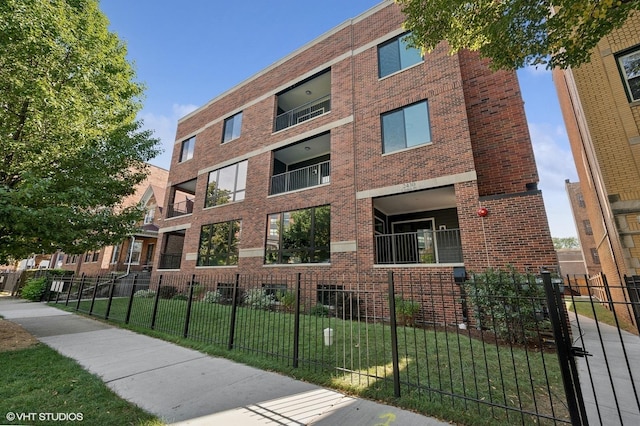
<point x="595" y="256"/>
<point x="133" y="257"/>
<point x="187" y="149"/>
<point x="629" y="65"/>
<point x="226" y="185"/>
<point x="115" y="256"/>
<point x="406" y="127"/>
<point x="580" y="200"/>
<point x="219" y="244"/>
<point x="96" y="256"/>
<point x="300" y="236"/>
<point x="149" y="215"/>
<point x="587" y="227"/>
<point x="396" y="55"/>
<point x="232" y="127"/>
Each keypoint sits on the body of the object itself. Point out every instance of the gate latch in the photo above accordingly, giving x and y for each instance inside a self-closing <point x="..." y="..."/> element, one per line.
<point x="578" y="351"/>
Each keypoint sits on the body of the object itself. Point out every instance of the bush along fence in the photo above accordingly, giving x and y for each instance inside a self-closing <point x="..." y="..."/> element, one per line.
<point x="475" y="352"/>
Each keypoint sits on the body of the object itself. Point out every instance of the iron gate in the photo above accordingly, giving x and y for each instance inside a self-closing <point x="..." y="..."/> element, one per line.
<point x="601" y="349"/>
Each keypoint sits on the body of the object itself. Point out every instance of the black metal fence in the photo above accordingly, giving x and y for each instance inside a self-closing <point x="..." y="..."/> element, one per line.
<point x="482" y="350"/>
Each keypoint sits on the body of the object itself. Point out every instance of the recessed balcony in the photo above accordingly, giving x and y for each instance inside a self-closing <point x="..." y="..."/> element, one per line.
<point x="304" y="101"/>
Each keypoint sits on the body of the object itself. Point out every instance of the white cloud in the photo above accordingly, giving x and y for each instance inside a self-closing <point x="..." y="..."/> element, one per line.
<point x="555" y="164"/>
<point x="536" y="71"/>
<point x="164" y="128"/>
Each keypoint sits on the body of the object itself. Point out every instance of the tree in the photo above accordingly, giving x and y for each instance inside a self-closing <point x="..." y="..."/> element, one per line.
<point x="565" y="243"/>
<point x="516" y="33"/>
<point x="70" y="148"/>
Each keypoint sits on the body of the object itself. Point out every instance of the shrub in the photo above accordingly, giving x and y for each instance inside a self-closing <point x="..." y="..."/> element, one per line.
<point x="510" y="304"/>
<point x="167" y="292"/>
<point x="212" y="297"/>
<point x="198" y="291"/>
<point x="34" y="289"/>
<point x="258" y="298"/>
<point x="406" y="311"/>
<point x="319" y="311"/>
<point x="145" y="294"/>
<point x="180" y="296"/>
<point x="287" y="300"/>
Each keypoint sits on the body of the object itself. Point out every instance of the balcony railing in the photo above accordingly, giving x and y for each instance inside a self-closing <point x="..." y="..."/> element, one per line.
<point x="170" y="260"/>
<point x="303" y="113"/>
<point x="305" y="177"/>
<point x="180" y="209"/>
<point x="426" y="246"/>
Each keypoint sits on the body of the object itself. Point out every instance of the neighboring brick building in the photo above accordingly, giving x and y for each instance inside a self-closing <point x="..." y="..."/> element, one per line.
<point x="356" y="154"/>
<point x="141" y="247"/>
<point x="590" y="257"/>
<point x="600" y="102"/>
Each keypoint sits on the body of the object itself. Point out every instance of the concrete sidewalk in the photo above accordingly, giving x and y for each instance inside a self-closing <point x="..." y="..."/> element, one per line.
<point x="185" y="387"/>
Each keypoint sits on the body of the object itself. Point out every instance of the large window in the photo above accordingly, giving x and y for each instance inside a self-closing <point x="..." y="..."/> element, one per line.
<point x="232" y="126"/>
<point x="629" y="64"/>
<point x="219" y="244"/>
<point x="187" y="149"/>
<point x="300" y="236"/>
<point x="396" y="55"/>
<point x="226" y="185"/>
<point x="406" y="127"/>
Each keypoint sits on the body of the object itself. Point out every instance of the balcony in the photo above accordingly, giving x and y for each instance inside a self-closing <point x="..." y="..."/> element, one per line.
<point x="305" y="177"/>
<point x="425" y="246"/>
<point x="170" y="261"/>
<point x="301" y="165"/>
<point x="181" y="199"/>
<point x="180" y="209"/>
<point x="304" y="112"/>
<point x="303" y="101"/>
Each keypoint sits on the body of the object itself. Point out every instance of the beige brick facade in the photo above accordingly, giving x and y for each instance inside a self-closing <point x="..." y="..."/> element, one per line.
<point x="603" y="128"/>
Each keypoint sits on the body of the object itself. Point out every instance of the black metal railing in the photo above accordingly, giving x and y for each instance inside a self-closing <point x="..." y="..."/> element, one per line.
<point x="180" y="209"/>
<point x="170" y="261"/>
<point x="303" y="113"/>
<point x="442" y="246"/>
<point x="304" y="177"/>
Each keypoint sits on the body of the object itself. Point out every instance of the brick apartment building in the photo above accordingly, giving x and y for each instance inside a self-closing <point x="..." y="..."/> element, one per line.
<point x="589" y="253"/>
<point x="354" y="153"/>
<point x="600" y="102"/>
<point x="135" y="253"/>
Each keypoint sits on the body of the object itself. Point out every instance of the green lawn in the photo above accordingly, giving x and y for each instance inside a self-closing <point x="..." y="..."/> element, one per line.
<point x="592" y="309"/>
<point x="443" y="373"/>
<point x="40" y="380"/>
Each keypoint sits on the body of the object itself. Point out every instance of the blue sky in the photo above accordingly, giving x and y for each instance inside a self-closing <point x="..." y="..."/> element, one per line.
<point x="188" y="52"/>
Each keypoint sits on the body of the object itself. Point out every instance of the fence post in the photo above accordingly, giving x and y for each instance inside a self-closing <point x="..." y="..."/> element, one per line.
<point x="112" y="286"/>
<point x="71" y="278"/>
<point x="296" y="324"/>
<point x="562" y="338"/>
<point x="188" y="314"/>
<point x="80" y="290"/>
<point x="155" y="304"/>
<point x="130" y="305"/>
<point x="394" y="336"/>
<point x="234" y="308"/>
<point x="93" y="297"/>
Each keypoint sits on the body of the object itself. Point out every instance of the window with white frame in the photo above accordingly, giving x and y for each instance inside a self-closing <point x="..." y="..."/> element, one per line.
<point x="187" y="149"/>
<point x="395" y="55"/>
<point x="406" y="127"/>
<point x="149" y="215"/>
<point x="629" y="65"/>
<point x="115" y="255"/>
<point x="133" y="257"/>
<point x="232" y="127"/>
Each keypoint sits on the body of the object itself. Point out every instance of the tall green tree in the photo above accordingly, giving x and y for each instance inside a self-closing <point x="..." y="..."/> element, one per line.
<point x="515" y="33"/>
<point x="71" y="148"/>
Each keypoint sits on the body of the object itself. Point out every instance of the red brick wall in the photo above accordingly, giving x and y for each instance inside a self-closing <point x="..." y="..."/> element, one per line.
<point x="477" y="124"/>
